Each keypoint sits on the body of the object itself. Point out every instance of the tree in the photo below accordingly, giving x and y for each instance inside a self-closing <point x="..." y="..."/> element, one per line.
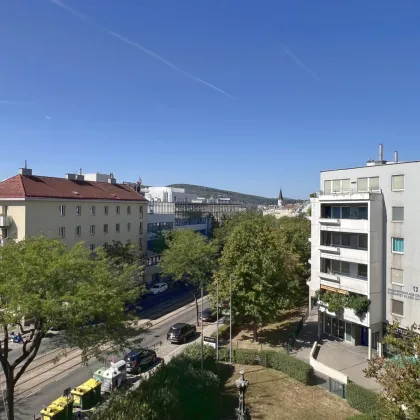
<point x="161" y="241"/>
<point x="399" y="375"/>
<point x="190" y="257"/>
<point x="263" y="269"/>
<point x="43" y="280"/>
<point x="121" y="253"/>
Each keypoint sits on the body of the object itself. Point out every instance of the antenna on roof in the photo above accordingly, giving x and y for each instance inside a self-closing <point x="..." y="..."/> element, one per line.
<point x="26" y="164"/>
<point x="80" y="171"/>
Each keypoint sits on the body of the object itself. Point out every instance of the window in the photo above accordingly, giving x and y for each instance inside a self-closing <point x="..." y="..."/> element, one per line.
<point x="368" y="184"/>
<point x="345" y="212"/>
<point x="362" y="270"/>
<point x="117" y="227"/>
<point x="398" y="245"/>
<point x="340" y="267"/>
<point x="78" y="210"/>
<point x="140" y="244"/>
<point x="141" y="228"/>
<point x="363" y="212"/>
<point x="345" y="267"/>
<point x="327" y="187"/>
<point x="92" y="229"/>
<point x="397" y="307"/>
<point x="141" y="211"/>
<point x="336" y="239"/>
<point x="106" y="228"/>
<point x="61" y="232"/>
<point x="128" y="209"/>
<point x="397" y="214"/>
<point x="397" y="182"/>
<point x="62" y="210"/>
<point x="336" y="212"/>
<point x="78" y="230"/>
<point x="118" y="209"/>
<point x="345" y="239"/>
<point x="92" y="210"/>
<point x="397" y="276"/>
<point x="92" y="247"/>
<point x="128" y="227"/>
<point x="363" y="241"/>
<point x="106" y="210"/>
<point x="336" y="186"/>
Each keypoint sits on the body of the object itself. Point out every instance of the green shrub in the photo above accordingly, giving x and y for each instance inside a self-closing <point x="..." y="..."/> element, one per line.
<point x="246" y="356"/>
<point x="280" y="360"/>
<point x="224" y="354"/>
<point x="223" y="331"/>
<point x="193" y="352"/>
<point x="362" y="399"/>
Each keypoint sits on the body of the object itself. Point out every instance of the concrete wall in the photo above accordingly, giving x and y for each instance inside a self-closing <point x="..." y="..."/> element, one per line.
<point x="43" y="217"/>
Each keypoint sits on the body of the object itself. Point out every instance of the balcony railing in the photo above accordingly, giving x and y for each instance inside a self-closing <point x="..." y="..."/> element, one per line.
<point x="5" y="221"/>
<point x="349" y="191"/>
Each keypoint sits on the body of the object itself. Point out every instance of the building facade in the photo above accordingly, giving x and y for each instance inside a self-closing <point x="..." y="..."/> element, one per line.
<point x="72" y="209"/>
<point x="364" y="237"/>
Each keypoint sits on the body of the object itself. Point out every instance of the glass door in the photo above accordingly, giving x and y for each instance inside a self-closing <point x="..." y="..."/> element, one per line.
<point x="348" y="332"/>
<point x="334" y="331"/>
<point x="327" y="326"/>
<point x="341" y="328"/>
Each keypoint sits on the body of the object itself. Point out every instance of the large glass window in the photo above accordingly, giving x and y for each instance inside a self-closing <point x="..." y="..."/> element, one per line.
<point x="363" y="241"/>
<point x="345" y="239"/>
<point x="341" y="329"/>
<point x="328" y="324"/>
<point x="345" y="267"/>
<point x="398" y="245"/>
<point x="363" y="212"/>
<point x="335" y="266"/>
<point x="397" y="182"/>
<point x="397" y="214"/>
<point x="336" y="212"/>
<point x="336" y="238"/>
<point x="345" y="212"/>
<point x="362" y="271"/>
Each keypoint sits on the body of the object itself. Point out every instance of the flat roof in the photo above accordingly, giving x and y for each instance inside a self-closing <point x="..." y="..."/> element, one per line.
<point x="371" y="166"/>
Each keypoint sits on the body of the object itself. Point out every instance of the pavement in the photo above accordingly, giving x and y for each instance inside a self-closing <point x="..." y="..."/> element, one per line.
<point x="30" y="402"/>
<point x="306" y="337"/>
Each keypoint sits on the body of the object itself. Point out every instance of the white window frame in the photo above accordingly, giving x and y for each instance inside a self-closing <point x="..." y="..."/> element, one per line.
<point x="331" y="190"/>
<point x="78" y="210"/>
<point x="92" y="210"/>
<point x="118" y="210"/>
<point x="106" y="210"/>
<point x="128" y="210"/>
<point x="340" y="271"/>
<point x="369" y="188"/>
<point x="62" y="232"/>
<point x="394" y="314"/>
<point x="392" y="214"/>
<point x="92" y="247"/>
<point x="92" y="229"/>
<point x="62" y="209"/>
<point x="392" y="178"/>
<point x="392" y="246"/>
<point x="79" y="230"/>
<point x="106" y="228"/>
<point x="393" y="282"/>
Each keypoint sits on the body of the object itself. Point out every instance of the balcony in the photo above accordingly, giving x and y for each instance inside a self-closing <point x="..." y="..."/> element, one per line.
<point x="330" y="249"/>
<point x="334" y="278"/>
<point x="347" y="195"/>
<point x="4" y="221"/>
<point x="344" y="283"/>
<point x="357" y="255"/>
<point x="342" y="225"/>
<point x="347" y="314"/>
<point x="329" y="221"/>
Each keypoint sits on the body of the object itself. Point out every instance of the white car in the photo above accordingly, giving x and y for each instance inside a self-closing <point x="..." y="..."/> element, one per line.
<point x="158" y="288"/>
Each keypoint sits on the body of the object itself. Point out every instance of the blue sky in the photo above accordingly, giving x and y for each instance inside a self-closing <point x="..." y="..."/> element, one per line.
<point x="240" y="95"/>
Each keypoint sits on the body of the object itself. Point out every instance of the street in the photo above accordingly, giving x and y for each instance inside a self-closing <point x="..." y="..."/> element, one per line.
<point x="32" y="403"/>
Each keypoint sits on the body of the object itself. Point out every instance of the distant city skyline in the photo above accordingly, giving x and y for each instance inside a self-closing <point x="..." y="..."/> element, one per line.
<point x="229" y="95"/>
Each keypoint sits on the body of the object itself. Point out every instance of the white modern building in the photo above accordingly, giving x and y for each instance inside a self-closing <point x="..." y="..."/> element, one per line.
<point x="364" y="243"/>
<point x="168" y="195"/>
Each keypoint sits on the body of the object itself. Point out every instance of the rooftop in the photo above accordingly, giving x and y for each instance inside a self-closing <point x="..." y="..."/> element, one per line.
<point x="33" y="186"/>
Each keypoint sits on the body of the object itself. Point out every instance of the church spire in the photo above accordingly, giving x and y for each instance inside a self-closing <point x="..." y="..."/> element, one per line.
<point x="280" y="200"/>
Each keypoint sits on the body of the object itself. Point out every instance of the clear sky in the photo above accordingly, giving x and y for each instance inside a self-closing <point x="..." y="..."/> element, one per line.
<point x="234" y="94"/>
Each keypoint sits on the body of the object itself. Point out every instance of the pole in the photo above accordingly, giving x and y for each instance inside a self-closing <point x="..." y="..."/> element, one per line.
<point x="230" y="322"/>
<point x="202" y="328"/>
<point x="217" y="321"/>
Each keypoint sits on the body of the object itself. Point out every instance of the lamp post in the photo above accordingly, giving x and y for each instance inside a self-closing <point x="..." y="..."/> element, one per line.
<point x="242" y="384"/>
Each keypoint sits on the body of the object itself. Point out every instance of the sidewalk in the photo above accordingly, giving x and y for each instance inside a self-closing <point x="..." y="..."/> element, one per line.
<point x="307" y="337"/>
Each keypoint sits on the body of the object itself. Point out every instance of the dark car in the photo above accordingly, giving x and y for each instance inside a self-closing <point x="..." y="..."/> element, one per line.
<point x="180" y="333"/>
<point x="208" y="315"/>
<point x="137" y="359"/>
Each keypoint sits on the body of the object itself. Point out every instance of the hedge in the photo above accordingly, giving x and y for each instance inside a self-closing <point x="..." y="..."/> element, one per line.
<point x="193" y="353"/>
<point x="223" y="331"/>
<point x="278" y="360"/>
<point x="362" y="399"/>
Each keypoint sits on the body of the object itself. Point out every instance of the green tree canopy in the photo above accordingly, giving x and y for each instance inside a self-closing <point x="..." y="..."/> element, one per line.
<point x="399" y="375"/>
<point x="263" y="267"/>
<point x="44" y="281"/>
<point x="190" y="257"/>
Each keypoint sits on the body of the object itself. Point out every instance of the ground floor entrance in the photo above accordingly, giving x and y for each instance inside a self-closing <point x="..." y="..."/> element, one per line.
<point x="338" y="328"/>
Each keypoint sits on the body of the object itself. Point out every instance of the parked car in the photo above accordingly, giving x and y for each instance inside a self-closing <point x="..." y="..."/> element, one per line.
<point x="208" y="315"/>
<point x="139" y="358"/>
<point x="158" y="288"/>
<point x="180" y="333"/>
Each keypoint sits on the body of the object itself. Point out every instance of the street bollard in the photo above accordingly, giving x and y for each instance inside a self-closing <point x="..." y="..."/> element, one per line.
<point x="242" y="411"/>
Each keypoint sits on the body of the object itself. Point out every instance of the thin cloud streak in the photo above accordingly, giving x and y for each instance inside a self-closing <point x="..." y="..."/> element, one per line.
<point x="7" y="102"/>
<point x="134" y="44"/>
<point x="297" y="61"/>
<point x="47" y="117"/>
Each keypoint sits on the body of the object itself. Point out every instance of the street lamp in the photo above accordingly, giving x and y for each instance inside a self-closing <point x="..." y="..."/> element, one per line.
<point x="242" y="384"/>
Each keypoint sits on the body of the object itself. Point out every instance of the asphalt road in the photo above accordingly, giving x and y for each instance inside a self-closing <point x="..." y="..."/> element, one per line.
<point x="154" y="338"/>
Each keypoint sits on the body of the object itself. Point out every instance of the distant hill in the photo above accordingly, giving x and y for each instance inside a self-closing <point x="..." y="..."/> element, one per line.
<point x="235" y="197"/>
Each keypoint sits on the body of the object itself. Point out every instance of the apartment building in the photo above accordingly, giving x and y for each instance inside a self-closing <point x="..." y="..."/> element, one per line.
<point x="73" y="209"/>
<point x="364" y="244"/>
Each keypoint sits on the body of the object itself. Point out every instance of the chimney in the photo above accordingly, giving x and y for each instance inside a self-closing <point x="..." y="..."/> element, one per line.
<point x="25" y="171"/>
<point x="395" y="156"/>
<point x="381" y="152"/>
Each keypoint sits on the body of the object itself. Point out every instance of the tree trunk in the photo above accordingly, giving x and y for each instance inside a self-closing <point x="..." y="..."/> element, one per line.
<point x="196" y="305"/>
<point x="10" y="396"/>
<point x="255" y="330"/>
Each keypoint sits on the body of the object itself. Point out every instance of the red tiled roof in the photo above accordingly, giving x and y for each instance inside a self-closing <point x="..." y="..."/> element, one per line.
<point x="34" y="186"/>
